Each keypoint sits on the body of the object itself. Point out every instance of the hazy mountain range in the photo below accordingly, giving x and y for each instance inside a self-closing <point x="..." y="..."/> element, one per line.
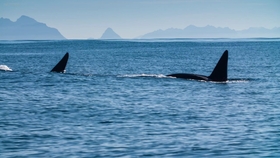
<point x="213" y="32"/>
<point x="26" y="28"/>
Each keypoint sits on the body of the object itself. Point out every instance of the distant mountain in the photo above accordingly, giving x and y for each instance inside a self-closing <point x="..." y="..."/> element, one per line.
<point x="26" y="28"/>
<point x="212" y="32"/>
<point x="110" y="34"/>
<point x="260" y="32"/>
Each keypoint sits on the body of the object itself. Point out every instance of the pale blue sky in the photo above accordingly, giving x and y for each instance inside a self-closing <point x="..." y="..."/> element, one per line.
<point x="82" y="19"/>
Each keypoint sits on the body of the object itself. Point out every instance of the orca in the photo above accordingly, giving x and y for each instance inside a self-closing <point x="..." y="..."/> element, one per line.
<point x="219" y="74"/>
<point x="60" y="66"/>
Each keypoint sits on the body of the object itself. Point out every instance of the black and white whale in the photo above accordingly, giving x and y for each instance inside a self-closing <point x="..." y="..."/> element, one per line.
<point x="61" y="65"/>
<point x="219" y="74"/>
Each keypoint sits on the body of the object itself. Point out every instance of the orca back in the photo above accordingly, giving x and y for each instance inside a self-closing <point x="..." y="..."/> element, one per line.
<point x="61" y="65"/>
<point x="220" y="71"/>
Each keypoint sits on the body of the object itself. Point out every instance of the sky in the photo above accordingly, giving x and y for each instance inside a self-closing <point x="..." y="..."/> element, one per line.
<point x="83" y="19"/>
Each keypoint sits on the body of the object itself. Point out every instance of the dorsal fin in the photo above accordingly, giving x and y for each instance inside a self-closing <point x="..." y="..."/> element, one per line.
<point x="220" y="71"/>
<point x="60" y="66"/>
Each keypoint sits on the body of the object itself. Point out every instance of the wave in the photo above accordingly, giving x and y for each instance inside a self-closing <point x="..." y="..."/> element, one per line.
<point x="230" y="80"/>
<point x="5" y="68"/>
<point x="22" y="41"/>
<point x="145" y="75"/>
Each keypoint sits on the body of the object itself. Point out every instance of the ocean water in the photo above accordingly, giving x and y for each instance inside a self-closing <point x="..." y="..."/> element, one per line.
<point x="115" y="99"/>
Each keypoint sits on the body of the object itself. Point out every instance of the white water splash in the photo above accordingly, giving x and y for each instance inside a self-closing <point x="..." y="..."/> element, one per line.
<point x="238" y="81"/>
<point x="145" y="75"/>
<point x="5" y="68"/>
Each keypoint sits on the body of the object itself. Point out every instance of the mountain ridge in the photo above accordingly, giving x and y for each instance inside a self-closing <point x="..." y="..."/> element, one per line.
<point x="26" y="28"/>
<point x="209" y="31"/>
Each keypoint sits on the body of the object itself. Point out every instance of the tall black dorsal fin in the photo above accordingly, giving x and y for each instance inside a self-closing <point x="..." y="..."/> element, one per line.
<point x="220" y="71"/>
<point x="60" y="66"/>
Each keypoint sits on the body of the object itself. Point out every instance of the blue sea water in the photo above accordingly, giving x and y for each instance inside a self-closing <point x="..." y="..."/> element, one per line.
<point x="115" y="99"/>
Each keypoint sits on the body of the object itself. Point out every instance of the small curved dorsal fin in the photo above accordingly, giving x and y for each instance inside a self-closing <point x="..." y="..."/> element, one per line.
<point x="220" y="71"/>
<point x="60" y="66"/>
